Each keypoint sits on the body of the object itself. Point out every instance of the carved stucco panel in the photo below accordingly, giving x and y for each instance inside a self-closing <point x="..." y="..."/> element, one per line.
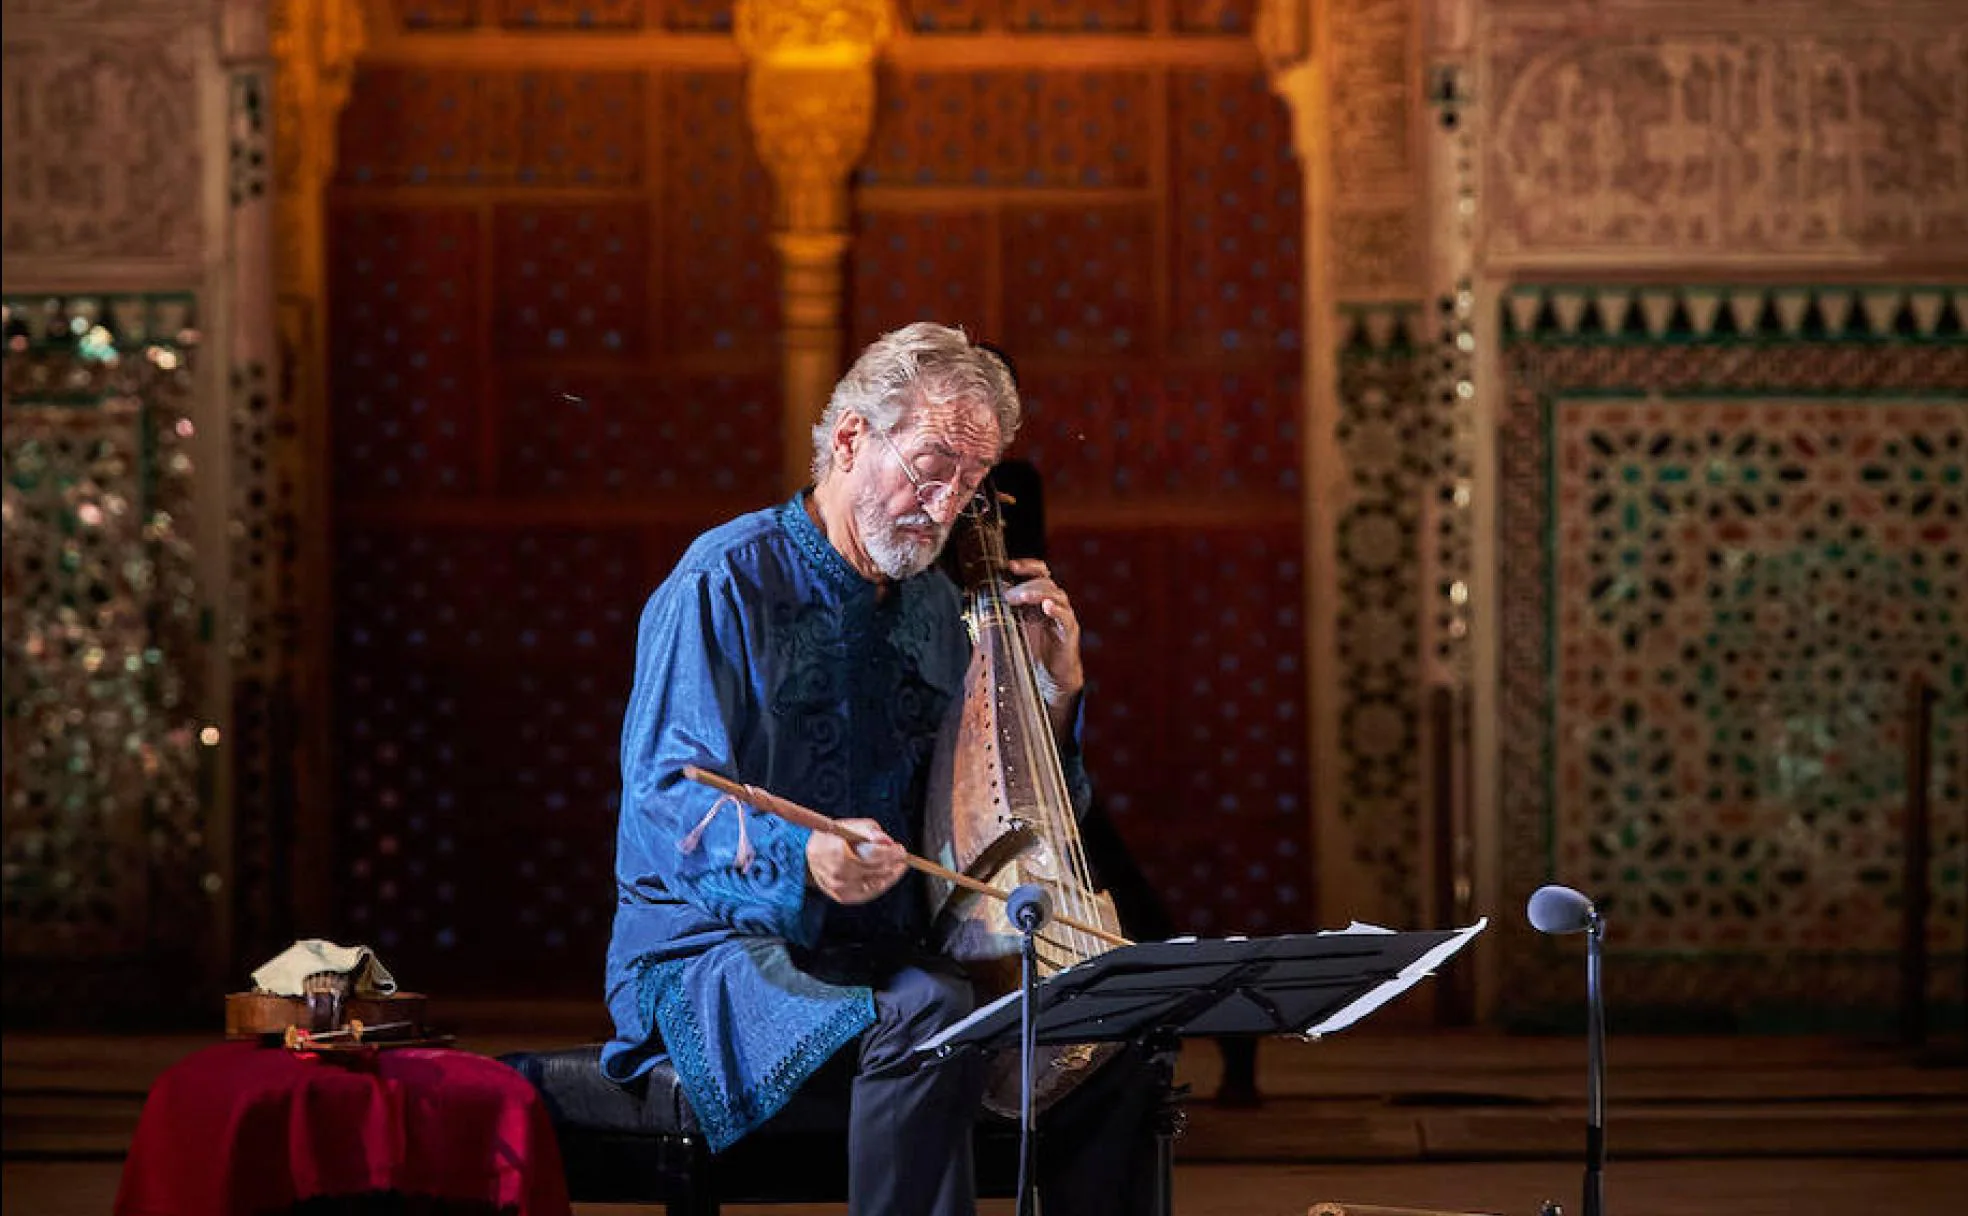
<point x="102" y="146"/>
<point x="1375" y="252"/>
<point x="1721" y="143"/>
<point x="1372" y="97"/>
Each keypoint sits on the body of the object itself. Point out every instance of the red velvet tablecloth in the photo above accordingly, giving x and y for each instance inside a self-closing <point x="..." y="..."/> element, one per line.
<point x="242" y="1130"/>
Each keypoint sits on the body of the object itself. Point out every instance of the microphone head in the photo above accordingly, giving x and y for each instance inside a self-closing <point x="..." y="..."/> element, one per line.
<point x="1029" y="907"/>
<point x="1556" y="909"/>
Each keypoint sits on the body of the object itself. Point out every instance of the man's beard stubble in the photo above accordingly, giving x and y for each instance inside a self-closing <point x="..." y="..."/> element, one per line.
<point x="897" y="553"/>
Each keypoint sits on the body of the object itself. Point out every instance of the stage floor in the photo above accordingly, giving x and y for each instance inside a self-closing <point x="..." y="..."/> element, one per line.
<point x="1466" y="1121"/>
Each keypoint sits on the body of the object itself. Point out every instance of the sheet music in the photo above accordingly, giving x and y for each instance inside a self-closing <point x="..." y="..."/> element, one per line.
<point x="1409" y="977"/>
<point x="1345" y="1016"/>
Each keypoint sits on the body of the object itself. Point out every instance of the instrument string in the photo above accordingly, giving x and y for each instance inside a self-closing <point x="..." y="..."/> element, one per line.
<point x="1075" y="888"/>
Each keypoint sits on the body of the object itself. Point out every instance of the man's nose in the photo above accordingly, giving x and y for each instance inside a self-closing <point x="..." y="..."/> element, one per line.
<point x="945" y="509"/>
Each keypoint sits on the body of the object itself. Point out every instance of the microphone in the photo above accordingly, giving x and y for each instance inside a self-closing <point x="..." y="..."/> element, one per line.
<point x="1556" y="909"/>
<point x="1559" y="910"/>
<point x="1028" y="907"/>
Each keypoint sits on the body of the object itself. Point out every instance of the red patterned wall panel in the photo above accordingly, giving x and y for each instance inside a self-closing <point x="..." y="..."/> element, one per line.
<point x="1198" y="749"/>
<point x="1236" y="262"/>
<point x="1011" y="129"/>
<point x="571" y="14"/>
<point x="636" y="437"/>
<point x="947" y="16"/>
<point x="914" y="266"/>
<point x="1184" y="431"/>
<point x="1234" y="646"/>
<point x="571" y="278"/>
<point x="722" y="286"/>
<point x="695" y="16"/>
<point x="416" y="126"/>
<point x="1214" y="16"/>
<point x="402" y="347"/>
<point x="431" y="126"/>
<point x="438" y="14"/>
<point x="1116" y="577"/>
<point x="1077" y="16"/>
<point x="1096" y="434"/>
<point x="481" y="674"/>
<point x="1079" y="280"/>
<point x="581" y="128"/>
<point x="1231" y="433"/>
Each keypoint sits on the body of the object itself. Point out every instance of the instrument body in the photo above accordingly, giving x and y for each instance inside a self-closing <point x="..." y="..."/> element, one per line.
<point x="1001" y="813"/>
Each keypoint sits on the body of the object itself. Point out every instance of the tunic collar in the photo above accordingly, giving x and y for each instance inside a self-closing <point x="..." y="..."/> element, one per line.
<point x="826" y="560"/>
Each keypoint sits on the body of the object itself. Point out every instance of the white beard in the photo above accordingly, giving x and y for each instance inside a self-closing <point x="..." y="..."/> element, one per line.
<point x="896" y="553"/>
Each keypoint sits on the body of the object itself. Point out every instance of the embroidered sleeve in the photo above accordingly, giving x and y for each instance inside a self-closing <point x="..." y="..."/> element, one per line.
<point x="694" y="691"/>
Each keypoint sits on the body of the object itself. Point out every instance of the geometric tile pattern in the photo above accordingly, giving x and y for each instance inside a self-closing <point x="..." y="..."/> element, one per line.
<point x="915" y="265"/>
<point x="721" y="279"/>
<point x="571" y="278"/>
<point x="1386" y="436"/>
<point x="553" y="347"/>
<point x="1235" y="187"/>
<point x="408" y="126"/>
<point x="1733" y="526"/>
<point x="1198" y="751"/>
<point x="487" y="665"/>
<point x="1078" y="279"/>
<point x="599" y="436"/>
<point x="107" y="821"/>
<point x="946" y="16"/>
<point x="402" y="339"/>
<point x="1027" y="129"/>
<point x="1214" y="16"/>
<point x="680" y="15"/>
<point x="1076" y="16"/>
<point x="1117" y="435"/>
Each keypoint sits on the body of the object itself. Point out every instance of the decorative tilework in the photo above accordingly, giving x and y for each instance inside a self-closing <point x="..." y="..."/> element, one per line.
<point x="107" y="816"/>
<point x="402" y="349"/>
<point x="1732" y="527"/>
<point x="909" y="266"/>
<point x="721" y="276"/>
<point x="1197" y="750"/>
<point x="1236" y="262"/>
<point x="1078" y="279"/>
<point x="1384" y="437"/>
<point x="1034" y="129"/>
<point x="571" y="279"/>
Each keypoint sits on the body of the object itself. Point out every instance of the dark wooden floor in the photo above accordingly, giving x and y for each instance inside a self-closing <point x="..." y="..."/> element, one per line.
<point x="1453" y="1120"/>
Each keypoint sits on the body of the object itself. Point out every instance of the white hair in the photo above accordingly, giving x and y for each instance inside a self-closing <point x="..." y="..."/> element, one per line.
<point x="920" y="364"/>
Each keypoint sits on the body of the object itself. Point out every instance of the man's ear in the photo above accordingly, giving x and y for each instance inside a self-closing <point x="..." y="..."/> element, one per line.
<point x="847" y="429"/>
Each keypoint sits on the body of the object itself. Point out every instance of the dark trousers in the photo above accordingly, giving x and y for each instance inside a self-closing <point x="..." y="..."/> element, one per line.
<point x="909" y="1130"/>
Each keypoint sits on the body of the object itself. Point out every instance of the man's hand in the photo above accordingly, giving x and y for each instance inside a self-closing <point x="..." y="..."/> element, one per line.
<point x="1053" y="633"/>
<point x="854" y="874"/>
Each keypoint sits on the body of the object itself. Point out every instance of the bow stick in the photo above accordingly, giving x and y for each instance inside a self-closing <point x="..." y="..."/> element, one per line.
<point x="793" y="812"/>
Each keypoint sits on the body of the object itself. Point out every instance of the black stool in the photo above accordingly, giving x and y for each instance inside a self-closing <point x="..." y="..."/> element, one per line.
<point x="642" y="1143"/>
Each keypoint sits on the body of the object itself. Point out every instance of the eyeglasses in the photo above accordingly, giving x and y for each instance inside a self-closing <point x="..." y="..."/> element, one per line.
<point x="930" y="494"/>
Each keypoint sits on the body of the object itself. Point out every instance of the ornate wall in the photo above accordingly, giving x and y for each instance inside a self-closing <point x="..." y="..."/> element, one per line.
<point x="575" y="295"/>
<point x="1729" y="499"/>
<point x="1790" y="180"/>
<point x="139" y="351"/>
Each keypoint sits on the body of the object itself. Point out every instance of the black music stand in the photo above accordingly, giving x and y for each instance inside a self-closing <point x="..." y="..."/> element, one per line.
<point x="1156" y="994"/>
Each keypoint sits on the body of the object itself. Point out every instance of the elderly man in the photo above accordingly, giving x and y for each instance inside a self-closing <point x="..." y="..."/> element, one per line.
<point x="812" y="649"/>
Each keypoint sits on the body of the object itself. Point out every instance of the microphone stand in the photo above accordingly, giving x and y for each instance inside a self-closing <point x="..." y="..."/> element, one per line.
<point x="1558" y="910"/>
<point x="1029" y="908"/>
<point x="1595" y="1064"/>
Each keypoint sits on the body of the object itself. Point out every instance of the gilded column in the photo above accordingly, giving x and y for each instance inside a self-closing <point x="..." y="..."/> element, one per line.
<point x="811" y="101"/>
<point x="315" y="44"/>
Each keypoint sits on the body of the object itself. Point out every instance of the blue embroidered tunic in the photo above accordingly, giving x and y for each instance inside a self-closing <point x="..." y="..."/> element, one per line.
<point x="765" y="657"/>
